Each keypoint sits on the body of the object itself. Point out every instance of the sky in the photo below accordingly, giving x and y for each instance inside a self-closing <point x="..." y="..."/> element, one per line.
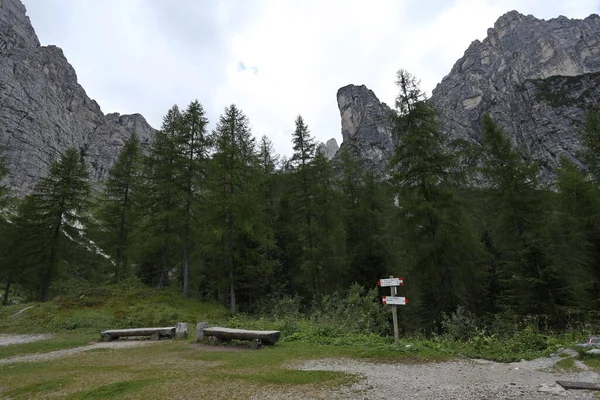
<point x="275" y="59"/>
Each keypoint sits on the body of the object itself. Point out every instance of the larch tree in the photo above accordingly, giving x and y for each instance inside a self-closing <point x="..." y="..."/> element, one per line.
<point x="53" y="217"/>
<point x="236" y="222"/>
<point x="160" y="199"/>
<point x="439" y="246"/>
<point x="119" y="204"/>
<point x="193" y="145"/>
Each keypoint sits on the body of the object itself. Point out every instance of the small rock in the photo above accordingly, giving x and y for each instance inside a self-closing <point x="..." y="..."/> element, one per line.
<point x="593" y="352"/>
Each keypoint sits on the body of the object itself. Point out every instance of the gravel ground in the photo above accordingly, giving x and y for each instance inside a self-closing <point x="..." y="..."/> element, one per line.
<point x="6" y="340"/>
<point x="76" y="350"/>
<point x="465" y="380"/>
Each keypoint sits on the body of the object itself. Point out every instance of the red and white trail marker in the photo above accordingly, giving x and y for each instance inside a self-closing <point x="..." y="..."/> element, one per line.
<point x="392" y="300"/>
<point x="390" y="282"/>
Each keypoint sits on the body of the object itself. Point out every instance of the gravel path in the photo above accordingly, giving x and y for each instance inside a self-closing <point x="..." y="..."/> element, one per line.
<point x="6" y="340"/>
<point x="465" y="380"/>
<point x="76" y="350"/>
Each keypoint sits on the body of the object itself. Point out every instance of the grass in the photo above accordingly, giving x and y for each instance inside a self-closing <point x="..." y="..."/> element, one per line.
<point x="174" y="369"/>
<point x="566" y="365"/>
<point x="178" y="369"/>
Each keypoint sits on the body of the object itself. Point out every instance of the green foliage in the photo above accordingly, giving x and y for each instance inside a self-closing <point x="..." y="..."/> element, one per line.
<point x="460" y="325"/>
<point x="439" y="247"/>
<point x="118" y="209"/>
<point x="51" y="221"/>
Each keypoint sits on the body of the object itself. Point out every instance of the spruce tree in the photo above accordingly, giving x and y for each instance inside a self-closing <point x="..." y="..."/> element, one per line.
<point x="119" y="208"/>
<point x="301" y="197"/>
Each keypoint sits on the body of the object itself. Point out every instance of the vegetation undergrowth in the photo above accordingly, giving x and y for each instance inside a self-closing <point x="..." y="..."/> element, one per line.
<point x="354" y="322"/>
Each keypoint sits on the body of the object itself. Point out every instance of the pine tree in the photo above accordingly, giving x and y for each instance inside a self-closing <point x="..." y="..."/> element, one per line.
<point x="439" y="246"/>
<point x="53" y="216"/>
<point x="119" y="208"/>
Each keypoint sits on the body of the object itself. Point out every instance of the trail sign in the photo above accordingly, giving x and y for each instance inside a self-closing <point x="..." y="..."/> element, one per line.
<point x="393" y="300"/>
<point x="390" y="282"/>
<point x="401" y="301"/>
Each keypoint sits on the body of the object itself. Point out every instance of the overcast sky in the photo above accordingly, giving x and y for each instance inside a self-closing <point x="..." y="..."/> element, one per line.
<point x="274" y="58"/>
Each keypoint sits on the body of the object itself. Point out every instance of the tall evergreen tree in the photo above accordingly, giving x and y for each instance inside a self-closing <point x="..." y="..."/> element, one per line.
<point x="578" y="232"/>
<point x="302" y="201"/>
<point x="439" y="246"/>
<point x="53" y="216"/>
<point x="160" y="199"/>
<point x="193" y="144"/>
<point x="236" y="221"/>
<point x="530" y="279"/>
<point x="365" y="209"/>
<point x="118" y="211"/>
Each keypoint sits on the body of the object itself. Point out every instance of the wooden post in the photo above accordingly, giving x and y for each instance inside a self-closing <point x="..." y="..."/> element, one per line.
<point x="394" y="292"/>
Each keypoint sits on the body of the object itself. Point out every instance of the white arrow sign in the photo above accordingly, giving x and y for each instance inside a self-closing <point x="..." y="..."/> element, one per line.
<point x="400" y="301"/>
<point x="390" y="282"/>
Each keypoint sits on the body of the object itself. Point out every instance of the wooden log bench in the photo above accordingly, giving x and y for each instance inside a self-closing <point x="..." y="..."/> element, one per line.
<point x="256" y="338"/>
<point x="154" y="333"/>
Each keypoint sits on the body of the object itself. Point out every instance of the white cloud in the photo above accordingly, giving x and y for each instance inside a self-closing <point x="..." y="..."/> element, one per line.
<point x="274" y="58"/>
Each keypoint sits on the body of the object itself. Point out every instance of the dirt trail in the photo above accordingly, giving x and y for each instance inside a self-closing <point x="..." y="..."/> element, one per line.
<point x="6" y="340"/>
<point x="464" y="379"/>
<point x="52" y="355"/>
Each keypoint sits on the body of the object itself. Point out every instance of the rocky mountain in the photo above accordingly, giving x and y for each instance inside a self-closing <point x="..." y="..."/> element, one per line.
<point x="536" y="78"/>
<point x="328" y="149"/>
<point x="44" y="111"/>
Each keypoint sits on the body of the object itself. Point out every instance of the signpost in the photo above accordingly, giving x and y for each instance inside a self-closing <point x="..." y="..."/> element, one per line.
<point x="393" y="300"/>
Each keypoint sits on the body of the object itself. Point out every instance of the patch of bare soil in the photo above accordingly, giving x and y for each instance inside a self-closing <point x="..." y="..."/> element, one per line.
<point x="6" y="340"/>
<point x="67" y="352"/>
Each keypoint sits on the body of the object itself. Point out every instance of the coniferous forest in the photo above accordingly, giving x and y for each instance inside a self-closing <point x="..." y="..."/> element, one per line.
<point x="222" y="218"/>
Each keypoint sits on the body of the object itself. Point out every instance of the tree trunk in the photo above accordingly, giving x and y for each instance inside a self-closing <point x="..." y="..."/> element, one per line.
<point x="51" y="261"/>
<point x="162" y="280"/>
<point x="8" y="283"/>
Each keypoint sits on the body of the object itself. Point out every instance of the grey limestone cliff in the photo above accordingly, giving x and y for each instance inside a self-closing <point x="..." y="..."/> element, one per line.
<point x="536" y="78"/>
<point x="366" y="129"/>
<point x="328" y="149"/>
<point x="44" y="110"/>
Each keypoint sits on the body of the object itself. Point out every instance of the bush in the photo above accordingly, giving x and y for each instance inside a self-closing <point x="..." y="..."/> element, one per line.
<point x="460" y="325"/>
<point x="359" y="311"/>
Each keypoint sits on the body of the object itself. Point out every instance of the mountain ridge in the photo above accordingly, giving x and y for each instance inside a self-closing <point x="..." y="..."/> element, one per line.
<point x="512" y="75"/>
<point x="44" y="110"/>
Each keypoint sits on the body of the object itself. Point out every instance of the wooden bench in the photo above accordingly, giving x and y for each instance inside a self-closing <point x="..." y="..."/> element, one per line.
<point x="257" y="338"/>
<point x="154" y="333"/>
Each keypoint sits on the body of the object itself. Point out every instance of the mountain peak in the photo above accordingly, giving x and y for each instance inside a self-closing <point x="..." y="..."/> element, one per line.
<point x="16" y="31"/>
